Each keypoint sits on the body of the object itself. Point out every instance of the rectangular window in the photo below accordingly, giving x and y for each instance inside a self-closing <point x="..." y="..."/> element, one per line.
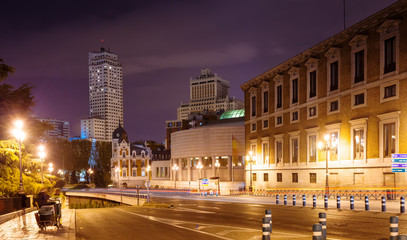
<point x="295" y="91"/>
<point x="134" y="172"/>
<point x="294" y="116"/>
<point x="279" y="177"/>
<point x="390" y="91"/>
<point x="295" y="177"/>
<point x="312" y="178"/>
<point x="389" y="139"/>
<point x="279" y="152"/>
<point x="312" y="84"/>
<point x="265" y="123"/>
<point x="334" y="141"/>
<point x="265" y="153"/>
<point x="279" y="95"/>
<point x="157" y="172"/>
<point x="254" y="176"/>
<point x="334" y="106"/>
<point x="312" y="148"/>
<point x="359" y="99"/>
<point x="253" y="127"/>
<point x="358" y="143"/>
<point x="279" y="120"/>
<point x="265" y="102"/>
<point x="359" y="66"/>
<point x="253" y="106"/>
<point x="266" y="177"/>
<point x="294" y="150"/>
<point x="312" y="111"/>
<point x="334" y="76"/>
<point x="390" y="55"/>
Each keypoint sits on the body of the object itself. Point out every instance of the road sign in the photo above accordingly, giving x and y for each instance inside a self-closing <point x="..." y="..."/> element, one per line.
<point x="205" y="182"/>
<point x="398" y="162"/>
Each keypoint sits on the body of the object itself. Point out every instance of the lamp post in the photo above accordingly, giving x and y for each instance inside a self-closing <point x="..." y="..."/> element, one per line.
<point x="90" y="171"/>
<point x="20" y="135"/>
<point x="199" y="166"/>
<point x="327" y="147"/>
<point x="41" y="153"/>
<point x="175" y="168"/>
<point x="250" y="159"/>
<point x="117" y="171"/>
<point x="50" y="168"/>
<point x="148" y="183"/>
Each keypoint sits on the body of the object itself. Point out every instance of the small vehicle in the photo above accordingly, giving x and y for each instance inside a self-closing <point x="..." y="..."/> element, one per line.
<point x="49" y="214"/>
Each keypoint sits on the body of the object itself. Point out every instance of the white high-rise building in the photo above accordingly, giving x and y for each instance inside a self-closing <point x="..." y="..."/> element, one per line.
<point x="105" y="96"/>
<point x="208" y="92"/>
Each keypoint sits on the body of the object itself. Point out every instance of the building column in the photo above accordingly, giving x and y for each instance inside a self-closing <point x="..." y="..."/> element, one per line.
<point x="230" y="162"/>
<point x="213" y="167"/>
<point x="189" y="169"/>
<point x="179" y="169"/>
<point x="171" y="171"/>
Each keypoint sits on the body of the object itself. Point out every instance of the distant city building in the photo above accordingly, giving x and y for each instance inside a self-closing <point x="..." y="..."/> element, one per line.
<point x="208" y="92"/>
<point x="61" y="128"/>
<point x="135" y="164"/>
<point x="105" y="96"/>
<point x="209" y="98"/>
<point x="347" y="93"/>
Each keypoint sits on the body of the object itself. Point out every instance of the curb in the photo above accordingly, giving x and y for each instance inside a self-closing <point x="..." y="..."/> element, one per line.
<point x="9" y="216"/>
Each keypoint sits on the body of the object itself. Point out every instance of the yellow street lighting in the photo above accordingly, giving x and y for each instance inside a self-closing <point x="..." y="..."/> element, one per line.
<point x="42" y="154"/>
<point x="20" y="136"/>
<point x="50" y="168"/>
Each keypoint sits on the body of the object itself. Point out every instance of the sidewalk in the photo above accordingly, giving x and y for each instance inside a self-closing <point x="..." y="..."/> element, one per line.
<point x="25" y="227"/>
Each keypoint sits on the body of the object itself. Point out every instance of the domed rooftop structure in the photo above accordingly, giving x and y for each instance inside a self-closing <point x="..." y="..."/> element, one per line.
<point x="120" y="134"/>
<point x="233" y="114"/>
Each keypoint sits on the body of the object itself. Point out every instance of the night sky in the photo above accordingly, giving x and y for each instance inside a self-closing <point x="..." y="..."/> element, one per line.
<point x="161" y="44"/>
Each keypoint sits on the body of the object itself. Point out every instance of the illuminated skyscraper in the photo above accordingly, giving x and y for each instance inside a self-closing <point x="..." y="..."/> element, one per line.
<point x="105" y="96"/>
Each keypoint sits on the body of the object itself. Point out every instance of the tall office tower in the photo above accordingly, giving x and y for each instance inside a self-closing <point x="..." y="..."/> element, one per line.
<point x="105" y="96"/>
<point x="208" y="92"/>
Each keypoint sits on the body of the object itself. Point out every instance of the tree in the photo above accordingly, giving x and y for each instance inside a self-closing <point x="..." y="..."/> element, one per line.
<point x="5" y="70"/>
<point x="103" y="168"/>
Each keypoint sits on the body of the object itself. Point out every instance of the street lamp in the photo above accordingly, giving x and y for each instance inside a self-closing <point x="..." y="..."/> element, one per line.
<point x="327" y="147"/>
<point x="175" y="168"/>
<point x="42" y="154"/>
<point x="217" y="165"/>
<point x="250" y="159"/>
<point x="148" y="183"/>
<point x="199" y="166"/>
<point x="90" y="171"/>
<point x="19" y="135"/>
<point x="50" y="168"/>
<point x="117" y="170"/>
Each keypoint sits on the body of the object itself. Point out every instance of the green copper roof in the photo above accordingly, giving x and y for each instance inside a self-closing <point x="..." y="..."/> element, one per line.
<point x="232" y="114"/>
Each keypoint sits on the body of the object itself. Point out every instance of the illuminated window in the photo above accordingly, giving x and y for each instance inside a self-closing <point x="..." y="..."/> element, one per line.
<point x="358" y="143"/>
<point x="279" y="151"/>
<point x="294" y="150"/>
<point x="312" y="148"/>
<point x="389" y="134"/>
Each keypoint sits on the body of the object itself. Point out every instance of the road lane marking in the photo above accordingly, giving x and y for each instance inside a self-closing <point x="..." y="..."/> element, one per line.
<point x="205" y="225"/>
<point x="174" y="225"/>
<point x="191" y="210"/>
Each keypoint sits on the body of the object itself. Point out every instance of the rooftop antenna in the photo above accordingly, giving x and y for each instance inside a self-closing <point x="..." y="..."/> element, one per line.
<point x="344" y="15"/>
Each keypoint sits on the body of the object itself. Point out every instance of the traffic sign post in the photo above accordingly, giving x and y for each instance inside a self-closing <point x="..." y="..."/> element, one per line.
<point x="399" y="163"/>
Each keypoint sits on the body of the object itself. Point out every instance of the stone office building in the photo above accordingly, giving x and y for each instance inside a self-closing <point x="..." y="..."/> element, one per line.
<point x="350" y="87"/>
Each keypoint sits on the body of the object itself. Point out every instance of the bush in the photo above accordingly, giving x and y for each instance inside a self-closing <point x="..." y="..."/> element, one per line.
<point x="156" y="187"/>
<point x="60" y="184"/>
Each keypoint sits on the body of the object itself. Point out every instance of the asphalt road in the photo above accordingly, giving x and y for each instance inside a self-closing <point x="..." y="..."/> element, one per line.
<point x="200" y="219"/>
